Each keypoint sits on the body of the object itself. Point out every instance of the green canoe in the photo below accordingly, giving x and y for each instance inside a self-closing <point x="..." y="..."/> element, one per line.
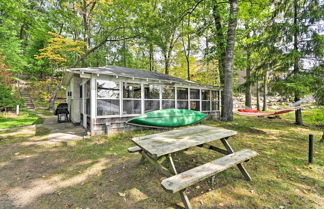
<point x="168" y="118"/>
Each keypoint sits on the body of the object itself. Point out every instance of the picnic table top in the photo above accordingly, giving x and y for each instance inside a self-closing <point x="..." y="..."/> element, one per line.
<point x="176" y="140"/>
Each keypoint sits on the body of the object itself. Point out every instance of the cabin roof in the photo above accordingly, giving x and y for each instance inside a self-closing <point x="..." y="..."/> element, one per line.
<point x="132" y="73"/>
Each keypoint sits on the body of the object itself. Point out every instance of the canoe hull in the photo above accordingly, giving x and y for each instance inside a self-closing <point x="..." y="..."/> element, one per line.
<point x="168" y="118"/>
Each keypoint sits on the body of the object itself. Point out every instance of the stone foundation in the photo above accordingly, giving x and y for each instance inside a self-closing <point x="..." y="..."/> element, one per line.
<point x="111" y="126"/>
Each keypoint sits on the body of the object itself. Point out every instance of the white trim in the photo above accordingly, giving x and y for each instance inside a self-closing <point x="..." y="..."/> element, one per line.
<point x="142" y="99"/>
<point x="200" y="100"/>
<point x="161" y="103"/>
<point x="189" y="99"/>
<point x="121" y="104"/>
<point x="176" y="97"/>
<point x="85" y="75"/>
<point x="93" y="102"/>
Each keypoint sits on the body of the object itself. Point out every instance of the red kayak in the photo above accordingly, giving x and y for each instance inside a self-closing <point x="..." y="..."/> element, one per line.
<point x="258" y="113"/>
<point x="247" y="110"/>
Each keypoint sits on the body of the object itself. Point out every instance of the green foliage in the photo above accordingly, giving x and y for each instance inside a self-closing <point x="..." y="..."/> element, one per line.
<point x="300" y="83"/>
<point x="7" y="99"/>
<point x="164" y="36"/>
<point x="293" y="44"/>
<point x="61" y="51"/>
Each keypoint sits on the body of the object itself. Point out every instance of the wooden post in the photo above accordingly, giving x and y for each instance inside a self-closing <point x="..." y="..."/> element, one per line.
<point x="17" y="110"/>
<point x="183" y="195"/>
<point x="240" y="166"/>
<point x="310" y="148"/>
<point x="93" y="105"/>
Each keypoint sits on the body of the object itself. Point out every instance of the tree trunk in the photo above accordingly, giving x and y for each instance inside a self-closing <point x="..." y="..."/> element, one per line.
<point x="53" y="98"/>
<point x="221" y="48"/>
<point x="228" y="82"/>
<point x="258" y="95"/>
<point x="322" y="139"/>
<point x="85" y="30"/>
<point x="188" y="51"/>
<point x="248" y="97"/>
<point x="166" y="65"/>
<point x="124" y="49"/>
<point x="265" y="91"/>
<point x="298" y="113"/>
<point x="151" y="57"/>
<point x="207" y="52"/>
<point x="220" y="42"/>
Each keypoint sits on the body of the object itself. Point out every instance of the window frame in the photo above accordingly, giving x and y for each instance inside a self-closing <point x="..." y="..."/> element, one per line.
<point x="107" y="98"/>
<point x="172" y="100"/>
<point x="146" y="99"/>
<point x="216" y="100"/>
<point x="182" y="100"/>
<point x="142" y="99"/>
<point x="206" y="100"/>
<point x="195" y="100"/>
<point x="122" y="99"/>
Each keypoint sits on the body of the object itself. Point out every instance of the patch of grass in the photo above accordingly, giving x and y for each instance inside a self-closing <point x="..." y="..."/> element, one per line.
<point x="96" y="171"/>
<point x="23" y="119"/>
<point x="310" y="116"/>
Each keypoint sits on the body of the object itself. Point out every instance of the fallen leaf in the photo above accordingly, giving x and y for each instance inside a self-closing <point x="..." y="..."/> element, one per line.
<point x="121" y="194"/>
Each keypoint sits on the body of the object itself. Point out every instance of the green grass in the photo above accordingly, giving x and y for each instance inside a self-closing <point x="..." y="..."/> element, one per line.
<point x="23" y="119"/>
<point x="92" y="172"/>
<point x="314" y="116"/>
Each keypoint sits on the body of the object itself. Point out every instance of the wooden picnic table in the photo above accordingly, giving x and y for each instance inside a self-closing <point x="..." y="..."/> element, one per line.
<point x="156" y="148"/>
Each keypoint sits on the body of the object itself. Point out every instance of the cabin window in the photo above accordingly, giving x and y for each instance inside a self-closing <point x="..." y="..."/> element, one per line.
<point x="168" y="104"/>
<point x="151" y="91"/>
<point x="195" y="105"/>
<point x="107" y="107"/>
<point x="151" y="97"/>
<point x="108" y="98"/>
<point x="194" y="94"/>
<point x="131" y="107"/>
<point x="205" y="97"/>
<point x="182" y="93"/>
<point x="195" y="99"/>
<point x="132" y="90"/>
<point x="214" y="100"/>
<point x="168" y="97"/>
<point x="131" y="98"/>
<point x="182" y="98"/>
<point x="107" y="89"/>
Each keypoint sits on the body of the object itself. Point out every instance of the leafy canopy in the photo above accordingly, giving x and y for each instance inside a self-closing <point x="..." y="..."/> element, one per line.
<point x="61" y="51"/>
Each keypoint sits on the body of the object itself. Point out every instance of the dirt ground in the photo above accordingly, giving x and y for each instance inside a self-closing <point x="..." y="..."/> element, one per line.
<point x="52" y="166"/>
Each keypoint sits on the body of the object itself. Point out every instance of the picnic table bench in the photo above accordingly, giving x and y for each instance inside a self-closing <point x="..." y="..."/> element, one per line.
<point x="156" y="148"/>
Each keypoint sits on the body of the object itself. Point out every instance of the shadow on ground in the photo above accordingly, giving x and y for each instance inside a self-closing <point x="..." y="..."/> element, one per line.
<point x="97" y="172"/>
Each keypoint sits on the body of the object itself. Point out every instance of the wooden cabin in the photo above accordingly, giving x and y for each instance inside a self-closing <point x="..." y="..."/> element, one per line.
<point x="102" y="99"/>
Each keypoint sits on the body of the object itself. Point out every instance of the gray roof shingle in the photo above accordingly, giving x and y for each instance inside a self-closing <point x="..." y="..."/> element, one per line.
<point x="130" y="72"/>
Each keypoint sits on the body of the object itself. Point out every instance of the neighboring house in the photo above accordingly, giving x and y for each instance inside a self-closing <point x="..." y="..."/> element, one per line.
<point x="102" y="99"/>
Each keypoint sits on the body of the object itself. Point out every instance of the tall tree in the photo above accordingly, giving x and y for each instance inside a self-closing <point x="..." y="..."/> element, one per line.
<point x="228" y="78"/>
<point x="60" y="53"/>
<point x="293" y="33"/>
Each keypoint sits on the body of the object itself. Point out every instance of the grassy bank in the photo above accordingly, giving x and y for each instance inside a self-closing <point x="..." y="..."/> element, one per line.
<point x="10" y="120"/>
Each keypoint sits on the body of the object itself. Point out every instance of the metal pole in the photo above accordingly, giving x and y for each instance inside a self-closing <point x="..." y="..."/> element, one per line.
<point x="310" y="148"/>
